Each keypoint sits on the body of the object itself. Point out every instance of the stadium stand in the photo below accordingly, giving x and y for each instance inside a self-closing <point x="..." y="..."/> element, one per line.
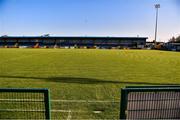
<point x="75" y="42"/>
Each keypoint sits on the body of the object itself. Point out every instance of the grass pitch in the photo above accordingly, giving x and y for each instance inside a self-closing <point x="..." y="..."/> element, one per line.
<point x="93" y="75"/>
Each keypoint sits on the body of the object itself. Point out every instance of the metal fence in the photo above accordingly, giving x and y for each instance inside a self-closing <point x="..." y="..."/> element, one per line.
<point x="24" y="104"/>
<point x="150" y="102"/>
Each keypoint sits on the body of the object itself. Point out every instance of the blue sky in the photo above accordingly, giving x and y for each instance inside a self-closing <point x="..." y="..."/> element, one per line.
<point x="89" y="18"/>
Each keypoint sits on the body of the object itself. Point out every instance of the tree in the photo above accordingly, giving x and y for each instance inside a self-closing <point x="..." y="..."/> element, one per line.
<point x="173" y="39"/>
<point x="178" y="39"/>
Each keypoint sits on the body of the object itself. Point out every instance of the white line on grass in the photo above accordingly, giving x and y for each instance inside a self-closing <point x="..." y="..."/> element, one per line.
<point x="78" y="101"/>
<point x="69" y="115"/>
<point x="76" y="111"/>
<point x="85" y="101"/>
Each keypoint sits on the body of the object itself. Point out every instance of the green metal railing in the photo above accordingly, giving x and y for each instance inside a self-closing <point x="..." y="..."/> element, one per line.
<point x="24" y="104"/>
<point x="150" y="102"/>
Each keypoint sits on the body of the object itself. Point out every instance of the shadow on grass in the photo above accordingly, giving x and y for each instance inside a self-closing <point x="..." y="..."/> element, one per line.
<point x="77" y="80"/>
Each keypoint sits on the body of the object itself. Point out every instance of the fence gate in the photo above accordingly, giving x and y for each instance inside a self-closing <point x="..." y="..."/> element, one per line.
<point x="24" y="104"/>
<point x="150" y="103"/>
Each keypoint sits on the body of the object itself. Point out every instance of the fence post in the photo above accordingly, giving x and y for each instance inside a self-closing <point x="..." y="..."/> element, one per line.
<point x="47" y="104"/>
<point x="123" y="104"/>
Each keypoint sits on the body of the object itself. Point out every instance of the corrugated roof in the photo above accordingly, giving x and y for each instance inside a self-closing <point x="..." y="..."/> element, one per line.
<point x="72" y="37"/>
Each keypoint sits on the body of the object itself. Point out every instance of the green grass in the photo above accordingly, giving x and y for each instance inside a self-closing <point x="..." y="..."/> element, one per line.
<point x="87" y="75"/>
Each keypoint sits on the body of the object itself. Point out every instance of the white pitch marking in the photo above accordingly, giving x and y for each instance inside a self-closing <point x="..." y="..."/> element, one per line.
<point x="85" y="101"/>
<point x="69" y="115"/>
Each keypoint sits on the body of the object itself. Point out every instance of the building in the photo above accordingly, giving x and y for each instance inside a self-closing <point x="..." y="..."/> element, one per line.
<point x="172" y="46"/>
<point x="89" y="42"/>
<point x="150" y="45"/>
